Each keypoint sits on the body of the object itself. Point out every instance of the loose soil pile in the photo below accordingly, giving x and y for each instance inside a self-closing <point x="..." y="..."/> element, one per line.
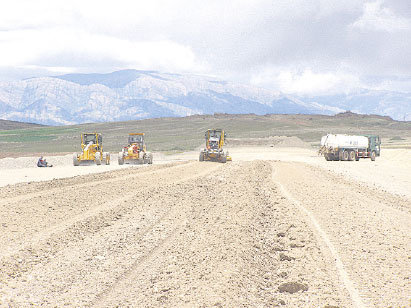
<point x="272" y="141"/>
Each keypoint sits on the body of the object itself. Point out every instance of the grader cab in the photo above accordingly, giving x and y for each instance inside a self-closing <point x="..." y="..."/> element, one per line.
<point x="92" y="150"/>
<point x="214" y="151"/>
<point x="135" y="151"/>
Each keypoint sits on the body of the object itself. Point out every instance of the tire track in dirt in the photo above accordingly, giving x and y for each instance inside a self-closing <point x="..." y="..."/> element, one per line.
<point x="126" y="281"/>
<point x="142" y="267"/>
<point x="144" y="242"/>
<point x="202" y="235"/>
<point x="345" y="279"/>
<point x="54" y="205"/>
<point x="228" y="253"/>
<point x="137" y="267"/>
<point x="44" y="189"/>
<point x="368" y="228"/>
<point x="47" y="243"/>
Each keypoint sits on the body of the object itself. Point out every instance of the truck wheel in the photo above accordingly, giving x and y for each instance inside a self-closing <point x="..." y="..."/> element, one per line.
<point x="201" y="158"/>
<point x="120" y="158"/>
<point x="345" y="155"/>
<point x="327" y="158"/>
<point x="340" y="155"/>
<point x="351" y="156"/>
<point x="75" y="160"/>
<point x="373" y="156"/>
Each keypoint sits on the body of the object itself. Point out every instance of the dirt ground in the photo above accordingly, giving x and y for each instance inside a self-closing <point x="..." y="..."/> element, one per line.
<point x="277" y="227"/>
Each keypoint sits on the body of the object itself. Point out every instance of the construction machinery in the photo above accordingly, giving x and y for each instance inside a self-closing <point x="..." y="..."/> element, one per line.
<point x="214" y="151"/>
<point x="347" y="147"/>
<point x="92" y="150"/>
<point x="135" y="151"/>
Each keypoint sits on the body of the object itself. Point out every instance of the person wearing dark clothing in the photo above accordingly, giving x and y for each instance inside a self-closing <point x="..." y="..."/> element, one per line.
<point x="42" y="162"/>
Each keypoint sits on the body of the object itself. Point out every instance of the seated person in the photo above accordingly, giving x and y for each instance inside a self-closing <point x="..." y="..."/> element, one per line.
<point x="41" y="162"/>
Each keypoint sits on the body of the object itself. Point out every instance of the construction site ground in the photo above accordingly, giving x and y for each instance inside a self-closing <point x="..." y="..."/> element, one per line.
<point x="277" y="227"/>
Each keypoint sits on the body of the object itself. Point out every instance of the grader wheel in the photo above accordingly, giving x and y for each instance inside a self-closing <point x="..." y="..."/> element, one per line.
<point x="224" y="159"/>
<point x="120" y="158"/>
<point x="75" y="160"/>
<point x="148" y="158"/>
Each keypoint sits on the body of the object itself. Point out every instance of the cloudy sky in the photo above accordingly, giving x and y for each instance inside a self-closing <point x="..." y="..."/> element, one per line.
<point x="295" y="46"/>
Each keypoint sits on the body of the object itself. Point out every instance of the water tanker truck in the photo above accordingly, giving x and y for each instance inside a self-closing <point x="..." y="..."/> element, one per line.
<point x="346" y="147"/>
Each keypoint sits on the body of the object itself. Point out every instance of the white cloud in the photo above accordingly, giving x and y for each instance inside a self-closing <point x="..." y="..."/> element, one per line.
<point x="306" y="82"/>
<point x="48" y="69"/>
<point x="81" y="35"/>
<point x="377" y="17"/>
<point x="66" y="47"/>
<point x="393" y="84"/>
<point x="301" y="46"/>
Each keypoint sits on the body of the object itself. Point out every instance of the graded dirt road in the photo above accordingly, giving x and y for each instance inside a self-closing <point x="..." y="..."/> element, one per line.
<point x="265" y="233"/>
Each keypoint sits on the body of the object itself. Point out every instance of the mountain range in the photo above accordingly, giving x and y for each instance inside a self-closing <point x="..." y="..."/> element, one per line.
<point x="132" y="94"/>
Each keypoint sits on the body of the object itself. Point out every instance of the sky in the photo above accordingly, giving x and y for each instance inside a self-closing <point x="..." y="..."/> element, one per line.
<point x="304" y="47"/>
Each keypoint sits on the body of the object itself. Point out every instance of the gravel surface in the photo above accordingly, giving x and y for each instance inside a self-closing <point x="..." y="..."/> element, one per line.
<point x="278" y="233"/>
<point x="369" y="229"/>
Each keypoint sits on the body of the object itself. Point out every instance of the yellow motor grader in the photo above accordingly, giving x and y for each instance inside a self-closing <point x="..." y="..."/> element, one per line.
<point x="92" y="150"/>
<point x="214" y="147"/>
<point x="135" y="151"/>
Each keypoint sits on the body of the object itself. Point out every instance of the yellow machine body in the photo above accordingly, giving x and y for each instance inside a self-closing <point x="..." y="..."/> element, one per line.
<point x="92" y="150"/>
<point x="215" y="139"/>
<point x="135" y="151"/>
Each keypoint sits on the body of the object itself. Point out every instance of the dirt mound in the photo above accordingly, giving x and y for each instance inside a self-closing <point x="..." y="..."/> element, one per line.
<point x="272" y="141"/>
<point x="31" y="162"/>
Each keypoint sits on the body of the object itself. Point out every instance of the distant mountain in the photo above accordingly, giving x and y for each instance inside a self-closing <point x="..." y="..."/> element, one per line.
<point x="9" y="125"/>
<point x="397" y="105"/>
<point x="131" y="94"/>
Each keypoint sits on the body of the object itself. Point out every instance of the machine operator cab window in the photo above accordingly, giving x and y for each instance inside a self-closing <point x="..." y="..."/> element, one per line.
<point x="136" y="139"/>
<point x="90" y="138"/>
<point x="214" y="137"/>
<point x="214" y="143"/>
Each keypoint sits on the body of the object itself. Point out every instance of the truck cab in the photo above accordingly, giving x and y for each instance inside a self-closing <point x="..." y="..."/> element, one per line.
<point x="374" y="144"/>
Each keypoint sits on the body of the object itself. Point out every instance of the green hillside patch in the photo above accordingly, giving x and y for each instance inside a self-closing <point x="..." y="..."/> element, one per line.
<point x="187" y="133"/>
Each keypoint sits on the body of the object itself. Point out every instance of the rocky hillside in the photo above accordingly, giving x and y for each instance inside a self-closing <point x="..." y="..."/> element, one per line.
<point x="131" y="95"/>
<point x="397" y="105"/>
<point x="11" y="125"/>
